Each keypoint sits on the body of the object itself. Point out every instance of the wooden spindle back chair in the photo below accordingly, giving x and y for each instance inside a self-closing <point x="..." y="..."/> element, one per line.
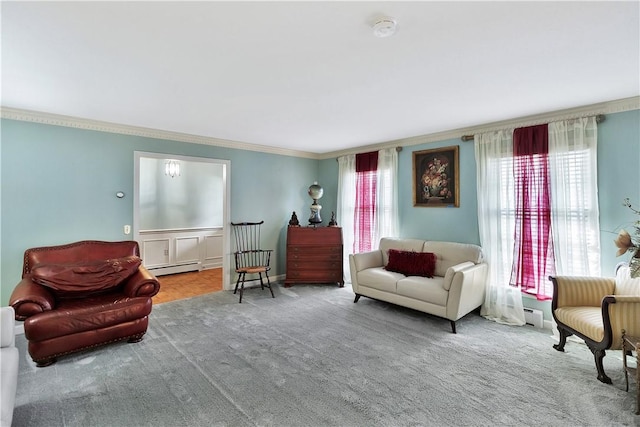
<point x="249" y="256"/>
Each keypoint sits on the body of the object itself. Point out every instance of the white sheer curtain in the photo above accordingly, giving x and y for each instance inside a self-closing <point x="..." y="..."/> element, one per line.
<point x="387" y="196"/>
<point x="496" y="223"/>
<point x="346" y="207"/>
<point x="574" y="196"/>
<point x="386" y="220"/>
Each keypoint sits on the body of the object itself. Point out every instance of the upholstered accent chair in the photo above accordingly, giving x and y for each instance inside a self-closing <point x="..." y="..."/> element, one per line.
<point x="597" y="309"/>
<point x="82" y="295"/>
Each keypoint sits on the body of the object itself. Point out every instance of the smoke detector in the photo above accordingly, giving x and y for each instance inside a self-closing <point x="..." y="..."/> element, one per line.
<point x="384" y="27"/>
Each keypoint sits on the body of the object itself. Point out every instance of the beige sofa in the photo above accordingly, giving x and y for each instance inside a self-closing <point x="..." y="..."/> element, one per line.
<point x="456" y="288"/>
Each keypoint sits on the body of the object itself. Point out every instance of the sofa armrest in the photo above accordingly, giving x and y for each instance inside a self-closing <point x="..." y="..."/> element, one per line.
<point x="362" y="261"/>
<point x="141" y="284"/>
<point x="576" y="291"/>
<point x="365" y="260"/>
<point x="621" y="312"/>
<point x="7" y="327"/>
<point x="10" y="357"/>
<point x="451" y="271"/>
<point x="467" y="289"/>
<point x="29" y="298"/>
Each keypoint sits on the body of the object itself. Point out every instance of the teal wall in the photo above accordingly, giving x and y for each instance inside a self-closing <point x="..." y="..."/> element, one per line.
<point x="328" y="178"/>
<point x="59" y="185"/>
<point x="618" y="177"/>
<point x="447" y="224"/>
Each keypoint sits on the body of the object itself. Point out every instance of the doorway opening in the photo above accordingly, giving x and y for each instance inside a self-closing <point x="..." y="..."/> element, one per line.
<point x="181" y="215"/>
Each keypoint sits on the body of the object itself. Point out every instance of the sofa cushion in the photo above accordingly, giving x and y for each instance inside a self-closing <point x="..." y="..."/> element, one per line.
<point x="379" y="278"/>
<point x="411" y="263"/>
<point x="85" y="278"/>
<point x="387" y="243"/>
<point x="452" y="253"/>
<point x="587" y="320"/>
<point x="423" y="289"/>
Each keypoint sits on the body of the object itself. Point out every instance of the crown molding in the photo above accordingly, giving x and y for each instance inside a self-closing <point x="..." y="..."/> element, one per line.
<point x="609" y="107"/>
<point x="100" y="126"/>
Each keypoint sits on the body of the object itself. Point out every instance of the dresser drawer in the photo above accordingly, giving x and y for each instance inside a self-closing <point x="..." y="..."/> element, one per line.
<point x="314" y="276"/>
<point x="305" y="249"/>
<point x="314" y="256"/>
<point x="314" y="265"/>
<point x="314" y="235"/>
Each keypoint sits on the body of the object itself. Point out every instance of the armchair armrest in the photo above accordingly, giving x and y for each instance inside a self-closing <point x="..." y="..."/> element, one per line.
<point x="141" y="284"/>
<point x="580" y="291"/>
<point x="29" y="298"/>
<point x="621" y="312"/>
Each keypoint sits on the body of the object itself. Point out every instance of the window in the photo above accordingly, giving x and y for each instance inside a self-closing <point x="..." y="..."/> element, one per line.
<point x="573" y="193"/>
<point x="366" y="204"/>
<point x="367" y="201"/>
<point x="569" y="222"/>
<point x="535" y="284"/>
<point x="576" y="213"/>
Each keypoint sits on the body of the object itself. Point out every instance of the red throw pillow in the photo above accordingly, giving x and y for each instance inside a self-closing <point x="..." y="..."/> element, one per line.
<point x="88" y="277"/>
<point x="412" y="263"/>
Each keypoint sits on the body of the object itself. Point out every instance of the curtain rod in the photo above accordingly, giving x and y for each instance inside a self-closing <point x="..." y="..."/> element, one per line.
<point x="398" y="149"/>
<point x="599" y="119"/>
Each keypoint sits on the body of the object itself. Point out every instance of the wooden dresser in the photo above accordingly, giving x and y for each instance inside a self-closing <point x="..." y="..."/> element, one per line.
<point x="314" y="255"/>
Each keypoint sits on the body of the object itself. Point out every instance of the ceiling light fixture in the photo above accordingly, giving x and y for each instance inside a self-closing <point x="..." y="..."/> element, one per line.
<point x="384" y="27"/>
<point x="172" y="168"/>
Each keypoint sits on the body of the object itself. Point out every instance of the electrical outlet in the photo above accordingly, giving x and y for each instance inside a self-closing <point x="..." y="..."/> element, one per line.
<point x="127" y="229"/>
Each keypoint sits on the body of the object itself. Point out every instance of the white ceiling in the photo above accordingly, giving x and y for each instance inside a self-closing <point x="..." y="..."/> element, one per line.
<point x="311" y="76"/>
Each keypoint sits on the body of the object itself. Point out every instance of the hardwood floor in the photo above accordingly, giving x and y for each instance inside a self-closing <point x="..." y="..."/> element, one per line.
<point x="186" y="285"/>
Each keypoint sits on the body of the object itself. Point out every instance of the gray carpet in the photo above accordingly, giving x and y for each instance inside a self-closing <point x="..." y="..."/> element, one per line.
<point x="311" y="357"/>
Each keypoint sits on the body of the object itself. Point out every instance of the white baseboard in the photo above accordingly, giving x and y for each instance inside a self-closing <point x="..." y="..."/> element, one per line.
<point x="549" y="324"/>
<point x="185" y="268"/>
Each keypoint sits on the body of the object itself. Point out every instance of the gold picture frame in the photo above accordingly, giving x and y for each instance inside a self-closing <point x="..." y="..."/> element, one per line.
<point x="436" y="178"/>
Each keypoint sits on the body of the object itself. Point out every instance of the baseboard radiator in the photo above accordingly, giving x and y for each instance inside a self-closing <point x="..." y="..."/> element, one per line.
<point x="533" y="317"/>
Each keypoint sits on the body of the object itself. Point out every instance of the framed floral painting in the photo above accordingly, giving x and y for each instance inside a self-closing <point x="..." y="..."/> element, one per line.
<point x="435" y="178"/>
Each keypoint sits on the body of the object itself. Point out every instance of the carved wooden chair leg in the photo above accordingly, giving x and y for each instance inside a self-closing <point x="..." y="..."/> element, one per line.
<point x="563" y="339"/>
<point x="599" y="355"/>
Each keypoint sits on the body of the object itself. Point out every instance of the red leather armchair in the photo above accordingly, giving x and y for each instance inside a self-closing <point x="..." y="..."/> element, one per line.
<point x="81" y="295"/>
